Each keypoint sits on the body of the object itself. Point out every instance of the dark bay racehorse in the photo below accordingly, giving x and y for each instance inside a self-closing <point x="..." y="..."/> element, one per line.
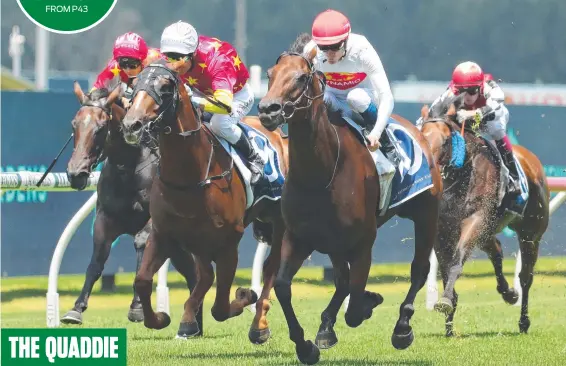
<point x="198" y="205"/>
<point x="470" y="216"/>
<point x="122" y="206"/>
<point x="330" y="203"/>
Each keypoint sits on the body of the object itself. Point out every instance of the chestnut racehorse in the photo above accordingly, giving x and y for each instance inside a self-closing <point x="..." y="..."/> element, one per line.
<point x="198" y="204"/>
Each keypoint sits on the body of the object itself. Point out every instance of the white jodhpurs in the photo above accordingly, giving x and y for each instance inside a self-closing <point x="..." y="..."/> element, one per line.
<point x="225" y="125"/>
<point x="357" y="99"/>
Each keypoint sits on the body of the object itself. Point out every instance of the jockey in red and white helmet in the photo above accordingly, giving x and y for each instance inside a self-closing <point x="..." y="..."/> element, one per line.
<point x="130" y="56"/>
<point x="483" y="98"/>
<point x="354" y="73"/>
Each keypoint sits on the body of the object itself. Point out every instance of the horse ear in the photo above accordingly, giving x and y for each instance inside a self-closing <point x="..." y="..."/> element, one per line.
<point x="115" y="94"/>
<point x="311" y="54"/>
<point x="451" y="110"/>
<point x="79" y="92"/>
<point x="425" y="110"/>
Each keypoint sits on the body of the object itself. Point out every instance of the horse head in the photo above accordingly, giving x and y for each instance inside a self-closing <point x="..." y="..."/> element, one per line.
<point x="91" y="129"/>
<point x="294" y="84"/>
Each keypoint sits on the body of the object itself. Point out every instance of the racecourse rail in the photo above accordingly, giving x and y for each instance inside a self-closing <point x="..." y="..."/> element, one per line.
<point x="58" y="182"/>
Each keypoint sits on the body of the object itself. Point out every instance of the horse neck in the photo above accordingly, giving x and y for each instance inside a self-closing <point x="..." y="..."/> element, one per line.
<point x="184" y="160"/>
<point x="313" y="147"/>
<point x="119" y="153"/>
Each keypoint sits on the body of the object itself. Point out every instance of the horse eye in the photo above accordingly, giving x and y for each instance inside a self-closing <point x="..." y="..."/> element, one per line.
<point x="303" y="78"/>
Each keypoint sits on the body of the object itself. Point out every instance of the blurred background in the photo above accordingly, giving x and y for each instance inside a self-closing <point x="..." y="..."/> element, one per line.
<point x="520" y="42"/>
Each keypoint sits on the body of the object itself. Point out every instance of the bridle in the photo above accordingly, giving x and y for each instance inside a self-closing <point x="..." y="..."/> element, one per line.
<point x="294" y="105"/>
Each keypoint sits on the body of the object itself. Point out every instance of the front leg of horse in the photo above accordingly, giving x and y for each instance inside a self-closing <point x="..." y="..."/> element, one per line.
<point x="135" y="314"/>
<point x="191" y="324"/>
<point x="362" y="302"/>
<point x="105" y="232"/>
<point x="153" y="258"/>
<point x="326" y="337"/>
<point x="259" y="331"/>
<point x="529" y="256"/>
<point x="292" y="257"/>
<point x="425" y="236"/>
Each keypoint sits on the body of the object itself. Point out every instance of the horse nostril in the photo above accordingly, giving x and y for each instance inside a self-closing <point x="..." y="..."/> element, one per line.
<point x="274" y="108"/>
<point x="137" y="126"/>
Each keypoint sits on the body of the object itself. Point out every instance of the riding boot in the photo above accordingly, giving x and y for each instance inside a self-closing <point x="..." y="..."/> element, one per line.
<point x="255" y="163"/>
<point x="509" y="161"/>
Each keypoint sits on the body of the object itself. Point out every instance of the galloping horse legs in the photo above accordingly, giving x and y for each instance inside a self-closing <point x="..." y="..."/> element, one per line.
<point x="105" y="232"/>
<point x="493" y="249"/>
<point x="426" y="225"/>
<point x="226" y="265"/>
<point x="326" y="337"/>
<point x="471" y="228"/>
<point x="192" y="316"/>
<point x="292" y="256"/>
<point x="362" y="302"/>
<point x="529" y="255"/>
<point x="136" y="312"/>
<point x="184" y="263"/>
<point x="153" y="258"/>
<point x="259" y="331"/>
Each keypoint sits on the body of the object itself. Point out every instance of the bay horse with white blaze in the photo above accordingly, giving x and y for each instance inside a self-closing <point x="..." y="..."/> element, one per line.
<point x="331" y="200"/>
<point x="122" y="206"/>
<point x="198" y="204"/>
<point x="470" y="214"/>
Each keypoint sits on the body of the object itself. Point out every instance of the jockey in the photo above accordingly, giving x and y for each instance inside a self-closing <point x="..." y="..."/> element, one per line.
<point x="219" y="79"/>
<point x="355" y="76"/>
<point x="130" y="56"/>
<point x="484" y="99"/>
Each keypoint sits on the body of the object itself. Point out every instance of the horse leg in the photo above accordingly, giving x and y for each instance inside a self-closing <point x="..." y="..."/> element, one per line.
<point x="425" y="236"/>
<point x="529" y="255"/>
<point x="153" y="258"/>
<point x="471" y="229"/>
<point x="226" y="265"/>
<point x="292" y="256"/>
<point x="326" y="337"/>
<point x="105" y="232"/>
<point x="259" y="332"/>
<point x="184" y="263"/>
<point x="136" y="312"/>
<point x="495" y="254"/>
<point x="192" y="315"/>
<point x="362" y="302"/>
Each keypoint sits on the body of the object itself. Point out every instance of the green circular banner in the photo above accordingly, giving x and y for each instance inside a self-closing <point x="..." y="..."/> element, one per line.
<point x="67" y="16"/>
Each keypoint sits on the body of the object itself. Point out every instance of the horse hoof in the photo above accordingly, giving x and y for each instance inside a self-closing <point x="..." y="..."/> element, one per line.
<point x="162" y="320"/>
<point x="371" y="301"/>
<point x="326" y="340"/>
<point x="259" y="336"/>
<point x="511" y="296"/>
<point x="135" y="315"/>
<point x="188" y="330"/>
<point x="246" y="294"/>
<point x="524" y="325"/>
<point x="402" y="341"/>
<point x="309" y="354"/>
<point x="72" y="317"/>
<point x="444" y="306"/>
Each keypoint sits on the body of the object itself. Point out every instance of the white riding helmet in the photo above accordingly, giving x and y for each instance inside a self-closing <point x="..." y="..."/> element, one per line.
<point x="180" y="37"/>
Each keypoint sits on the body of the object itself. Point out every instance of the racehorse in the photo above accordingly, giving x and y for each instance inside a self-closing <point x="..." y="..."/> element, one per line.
<point x="331" y="200"/>
<point x="470" y="213"/>
<point x="122" y="206"/>
<point x="198" y="204"/>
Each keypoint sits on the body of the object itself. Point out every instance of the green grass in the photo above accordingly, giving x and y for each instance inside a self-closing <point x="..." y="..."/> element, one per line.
<point x="487" y="328"/>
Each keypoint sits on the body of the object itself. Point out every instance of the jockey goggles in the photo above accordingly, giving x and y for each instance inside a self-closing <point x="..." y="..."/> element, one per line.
<point x="471" y="90"/>
<point x="331" y="47"/>
<point x="128" y="63"/>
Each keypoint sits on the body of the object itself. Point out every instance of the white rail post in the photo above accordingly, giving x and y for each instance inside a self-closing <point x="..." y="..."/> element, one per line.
<point x="72" y="226"/>
<point x="162" y="291"/>
<point x="257" y="269"/>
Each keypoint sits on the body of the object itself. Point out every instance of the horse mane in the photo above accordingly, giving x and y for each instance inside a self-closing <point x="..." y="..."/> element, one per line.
<point x="299" y="45"/>
<point x="98" y="94"/>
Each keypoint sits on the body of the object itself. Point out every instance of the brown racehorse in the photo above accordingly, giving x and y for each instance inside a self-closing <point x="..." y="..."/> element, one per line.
<point x="469" y="214"/>
<point x="330" y="204"/>
<point x="198" y="204"/>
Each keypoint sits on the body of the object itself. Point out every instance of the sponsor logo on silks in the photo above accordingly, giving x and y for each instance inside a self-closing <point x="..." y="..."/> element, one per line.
<point x="64" y="347"/>
<point x="344" y="80"/>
